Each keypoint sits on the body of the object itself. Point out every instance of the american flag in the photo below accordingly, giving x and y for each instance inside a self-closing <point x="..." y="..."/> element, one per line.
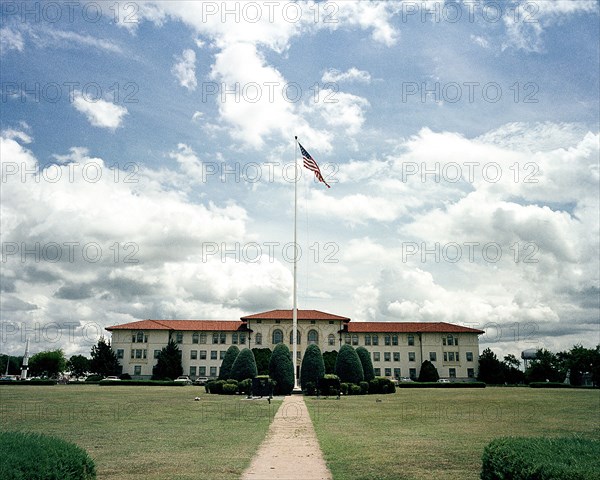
<point x="310" y="163"/>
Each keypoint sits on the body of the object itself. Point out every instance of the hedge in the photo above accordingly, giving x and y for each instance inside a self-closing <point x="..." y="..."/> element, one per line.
<point x="141" y="383"/>
<point x="32" y="456"/>
<point x="382" y="385"/>
<point x="541" y="459"/>
<point x="329" y="385"/>
<point x="27" y="382"/>
<point x="441" y="385"/>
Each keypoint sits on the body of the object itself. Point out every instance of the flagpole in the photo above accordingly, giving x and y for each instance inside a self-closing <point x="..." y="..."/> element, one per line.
<point x="295" y="307"/>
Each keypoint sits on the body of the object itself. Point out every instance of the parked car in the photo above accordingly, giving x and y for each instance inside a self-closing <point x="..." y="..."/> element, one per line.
<point x="8" y="378"/>
<point x="183" y="379"/>
<point x="111" y="379"/>
<point x="406" y="379"/>
<point x="443" y="380"/>
<point x="201" y="381"/>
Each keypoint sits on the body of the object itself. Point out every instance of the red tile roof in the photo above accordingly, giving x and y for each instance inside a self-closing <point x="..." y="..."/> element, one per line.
<point x="181" y="325"/>
<point x="409" y="327"/>
<point x="287" y="315"/>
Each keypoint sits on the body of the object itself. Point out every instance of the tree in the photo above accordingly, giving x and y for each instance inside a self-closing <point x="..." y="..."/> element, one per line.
<point x="281" y="369"/>
<point x="367" y="365"/>
<point x="512" y="374"/>
<point x="579" y="361"/>
<point x="14" y="364"/>
<point x="546" y="366"/>
<point x="329" y="358"/>
<point x="262" y="357"/>
<point x="227" y="363"/>
<point x="348" y="366"/>
<point x="49" y="364"/>
<point x="244" y="366"/>
<point x="104" y="360"/>
<point x="313" y="367"/>
<point x="169" y="363"/>
<point x="490" y="368"/>
<point x="78" y="365"/>
<point x="428" y="372"/>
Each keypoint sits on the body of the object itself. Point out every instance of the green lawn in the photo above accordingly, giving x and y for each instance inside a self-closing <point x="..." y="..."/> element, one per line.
<point x="440" y="434"/>
<point x="145" y="432"/>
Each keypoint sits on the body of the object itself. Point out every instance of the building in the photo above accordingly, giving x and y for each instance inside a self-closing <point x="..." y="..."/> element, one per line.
<point x="397" y="348"/>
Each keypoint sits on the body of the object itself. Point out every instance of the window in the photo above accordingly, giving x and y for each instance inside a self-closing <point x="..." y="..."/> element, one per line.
<point x="471" y="372"/>
<point x="202" y="371"/>
<point x="120" y="353"/>
<point x="179" y="337"/>
<point x="412" y="373"/>
<point x="450" y="340"/>
<point x="469" y="356"/>
<point x="193" y="354"/>
<point x="140" y="337"/>
<point x="222" y="354"/>
<point x="443" y="340"/>
<point x="223" y="338"/>
<point x="192" y="371"/>
<point x="133" y="352"/>
<point x="195" y="337"/>
<point x="411" y="340"/>
<point x="258" y="339"/>
<point x="277" y="337"/>
<point x="388" y="372"/>
<point x="331" y="322"/>
<point x="452" y="372"/>
<point x="432" y="356"/>
<point x="387" y="340"/>
<point x="445" y="356"/>
<point x="259" y="321"/>
<point x="354" y="339"/>
<point x="213" y="354"/>
<point x="331" y="339"/>
<point x="202" y="354"/>
<point x="394" y="339"/>
<point x="367" y="339"/>
<point x="456" y="342"/>
<point x="377" y="372"/>
<point x="277" y="321"/>
<point x="203" y="337"/>
<point x="376" y="356"/>
<point x="450" y="356"/>
<point x="156" y="353"/>
<point x="396" y="356"/>
<point x="242" y="338"/>
<point x="213" y="371"/>
<point x="375" y="340"/>
<point x="313" y="322"/>
<point x="387" y="357"/>
<point x="411" y="356"/>
<point x="215" y="338"/>
<point x="457" y="359"/>
<point x="138" y="353"/>
<point x="137" y="370"/>
<point x="397" y="372"/>
<point x="313" y="337"/>
<point x="234" y="338"/>
<point x="297" y="337"/>
<point x="347" y="339"/>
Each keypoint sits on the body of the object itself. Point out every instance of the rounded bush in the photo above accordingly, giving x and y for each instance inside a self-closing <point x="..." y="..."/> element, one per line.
<point x="227" y="363"/>
<point x="367" y="364"/>
<point x="244" y="366"/>
<point x="329" y="385"/>
<point x="313" y="367"/>
<point x="354" y="389"/>
<point x="230" y="389"/>
<point x="344" y="388"/>
<point x="348" y="367"/>
<point x="33" y="456"/>
<point x="244" y="386"/>
<point x="364" y="388"/>
<point x="281" y="369"/>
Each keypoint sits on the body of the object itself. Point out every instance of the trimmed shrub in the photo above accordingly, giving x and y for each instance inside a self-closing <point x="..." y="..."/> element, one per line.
<point x="227" y="363"/>
<point x="441" y="385"/>
<point x="541" y="459"/>
<point x="329" y="385"/>
<point x="33" y="456"/>
<point x="262" y="357"/>
<point x="281" y="369"/>
<point x="428" y="372"/>
<point x="364" y="388"/>
<point x="313" y="367"/>
<point x="244" y="366"/>
<point x="244" y="386"/>
<point x="215" y="386"/>
<point x="230" y="388"/>
<point x="348" y="367"/>
<point x="329" y="359"/>
<point x="125" y="376"/>
<point x="381" y="385"/>
<point x="141" y="383"/>
<point x="354" y="389"/>
<point x="344" y="388"/>
<point x="365" y="361"/>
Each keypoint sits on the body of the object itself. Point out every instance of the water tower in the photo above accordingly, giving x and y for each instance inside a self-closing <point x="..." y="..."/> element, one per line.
<point x="529" y="354"/>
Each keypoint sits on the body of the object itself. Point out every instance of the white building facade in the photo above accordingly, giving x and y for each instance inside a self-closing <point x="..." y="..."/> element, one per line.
<point x="397" y="348"/>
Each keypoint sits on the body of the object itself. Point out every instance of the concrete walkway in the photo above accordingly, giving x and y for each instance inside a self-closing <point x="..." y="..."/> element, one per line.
<point x="291" y="450"/>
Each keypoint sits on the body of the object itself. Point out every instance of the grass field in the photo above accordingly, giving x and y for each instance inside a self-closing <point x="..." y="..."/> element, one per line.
<point x="154" y="433"/>
<point x="440" y="434"/>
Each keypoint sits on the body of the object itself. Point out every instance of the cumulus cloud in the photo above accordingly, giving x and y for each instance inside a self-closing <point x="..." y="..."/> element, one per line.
<point x="351" y="75"/>
<point x="185" y="69"/>
<point x="99" y="113"/>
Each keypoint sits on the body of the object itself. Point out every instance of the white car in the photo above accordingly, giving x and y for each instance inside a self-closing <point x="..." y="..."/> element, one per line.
<point x="443" y="380"/>
<point x="111" y="379"/>
<point x="183" y="379"/>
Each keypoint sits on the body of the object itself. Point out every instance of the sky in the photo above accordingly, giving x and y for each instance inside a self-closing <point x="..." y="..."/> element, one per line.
<point x="148" y="154"/>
